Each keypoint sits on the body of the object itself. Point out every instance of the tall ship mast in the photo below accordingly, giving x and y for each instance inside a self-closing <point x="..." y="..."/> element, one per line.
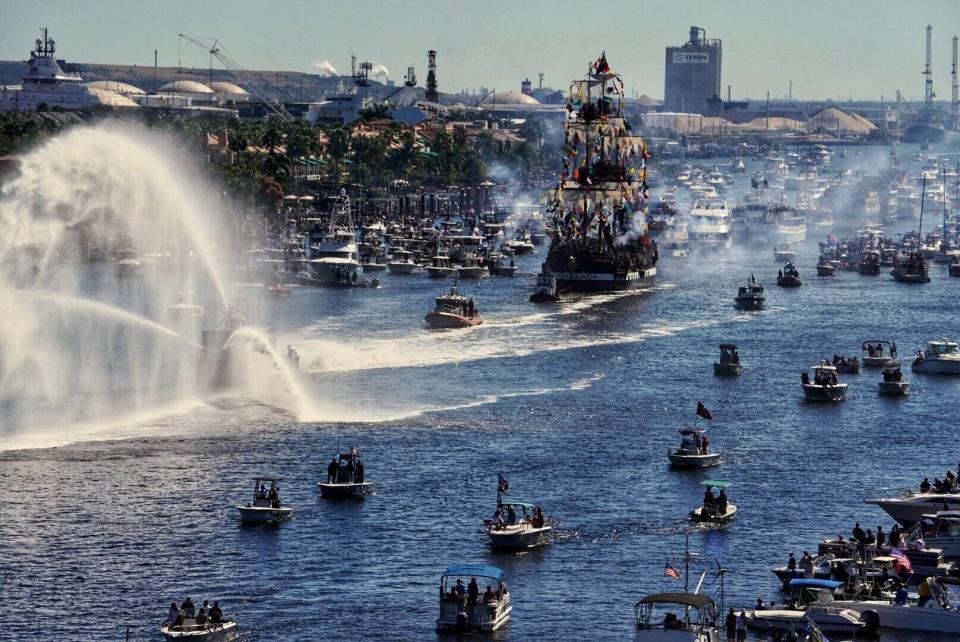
<point x="600" y="240"/>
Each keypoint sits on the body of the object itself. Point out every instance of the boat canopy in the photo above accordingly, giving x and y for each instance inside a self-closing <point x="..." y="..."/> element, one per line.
<point x="873" y="343"/>
<point x="715" y="483"/>
<point x="814" y="583"/>
<point x="517" y="502"/>
<point x="695" y="600"/>
<point x="822" y="366"/>
<point x="474" y="570"/>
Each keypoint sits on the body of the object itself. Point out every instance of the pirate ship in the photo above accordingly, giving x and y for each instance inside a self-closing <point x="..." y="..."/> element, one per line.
<point x="600" y="242"/>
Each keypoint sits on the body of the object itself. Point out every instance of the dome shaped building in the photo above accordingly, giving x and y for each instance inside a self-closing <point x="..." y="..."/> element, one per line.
<point x="229" y="91"/>
<point x="196" y="91"/>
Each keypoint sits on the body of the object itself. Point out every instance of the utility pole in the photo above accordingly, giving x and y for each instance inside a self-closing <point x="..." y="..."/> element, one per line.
<point x="928" y="74"/>
<point x="155" y="85"/>
<point x="954" y="89"/>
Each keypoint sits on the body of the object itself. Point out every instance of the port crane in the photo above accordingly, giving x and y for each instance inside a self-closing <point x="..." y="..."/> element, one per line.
<point x="243" y="76"/>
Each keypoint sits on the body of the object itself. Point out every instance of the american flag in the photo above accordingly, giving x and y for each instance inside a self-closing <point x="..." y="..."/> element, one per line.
<point x="902" y="560"/>
<point x="669" y="571"/>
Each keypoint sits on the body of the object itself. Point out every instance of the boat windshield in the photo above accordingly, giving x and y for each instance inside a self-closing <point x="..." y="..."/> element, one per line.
<point x="943" y="347"/>
<point x="674" y="611"/>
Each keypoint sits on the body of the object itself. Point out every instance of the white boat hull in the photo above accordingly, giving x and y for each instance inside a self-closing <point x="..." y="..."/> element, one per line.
<point x="813" y="392"/>
<point x="830" y="621"/>
<point x="519" y="537"/>
<point x="937" y="366"/>
<point x="481" y="617"/>
<point x="681" y="460"/>
<point x="910" y="511"/>
<point x="932" y="619"/>
<point x="894" y="388"/>
<point x="264" y="515"/>
<point x="223" y="632"/>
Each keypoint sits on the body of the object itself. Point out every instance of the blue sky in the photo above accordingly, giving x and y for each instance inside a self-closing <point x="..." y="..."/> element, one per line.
<point x="829" y="48"/>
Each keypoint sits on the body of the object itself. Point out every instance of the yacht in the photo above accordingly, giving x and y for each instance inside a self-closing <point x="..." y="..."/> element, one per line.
<point x="709" y="223"/>
<point x="332" y="254"/>
<point x="944" y="533"/>
<point x="940" y="357"/>
<point x="910" y="508"/>
<point x="45" y="83"/>
<point x="441" y="267"/>
<point x="488" y="613"/>
<point x="759" y="221"/>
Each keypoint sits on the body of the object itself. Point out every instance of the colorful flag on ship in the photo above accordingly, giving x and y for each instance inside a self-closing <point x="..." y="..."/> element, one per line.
<point x="670" y="571"/>
<point x="703" y="412"/>
<point x="601" y="66"/>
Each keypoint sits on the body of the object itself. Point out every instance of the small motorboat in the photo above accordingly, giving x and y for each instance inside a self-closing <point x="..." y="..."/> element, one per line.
<point x="825" y="386"/>
<point x="729" y="364"/>
<point x="675" y="617"/>
<point x="750" y="296"/>
<point x="189" y="629"/>
<point x="186" y="306"/>
<point x="715" y="509"/>
<point x="911" y="268"/>
<point x="869" y="263"/>
<point x="784" y="254"/>
<point x="441" y="267"/>
<point x="825" y="267"/>
<point x="345" y="478"/>
<point x="846" y="365"/>
<point x="789" y="277"/>
<point x="813" y="601"/>
<point x="461" y="613"/>
<point x="404" y="265"/>
<point x="893" y="384"/>
<point x="546" y="291"/>
<point x="693" y="451"/>
<point x="276" y="287"/>
<point x="471" y="268"/>
<point x="940" y="357"/>
<point x="878" y="354"/>
<point x="453" y="310"/>
<point x="501" y="264"/>
<point x="521" y="243"/>
<point x="509" y="531"/>
<point x="265" y="507"/>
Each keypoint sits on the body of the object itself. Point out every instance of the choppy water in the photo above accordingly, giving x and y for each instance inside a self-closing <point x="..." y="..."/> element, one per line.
<point x="577" y="404"/>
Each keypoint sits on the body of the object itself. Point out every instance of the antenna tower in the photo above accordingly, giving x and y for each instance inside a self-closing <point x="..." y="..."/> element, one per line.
<point x="928" y="75"/>
<point x="954" y="88"/>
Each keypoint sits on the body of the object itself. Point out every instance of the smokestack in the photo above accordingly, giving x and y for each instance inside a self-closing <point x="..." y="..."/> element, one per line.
<point x="728" y="93"/>
<point x="432" y="94"/>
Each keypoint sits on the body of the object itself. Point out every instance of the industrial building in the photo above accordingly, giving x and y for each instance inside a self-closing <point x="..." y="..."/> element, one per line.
<point x="692" y="76"/>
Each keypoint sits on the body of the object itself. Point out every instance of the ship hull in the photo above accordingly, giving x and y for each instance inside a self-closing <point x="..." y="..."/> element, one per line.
<point x="603" y="281"/>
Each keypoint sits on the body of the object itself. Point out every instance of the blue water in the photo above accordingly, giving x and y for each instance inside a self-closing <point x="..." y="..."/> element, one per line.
<point x="577" y="404"/>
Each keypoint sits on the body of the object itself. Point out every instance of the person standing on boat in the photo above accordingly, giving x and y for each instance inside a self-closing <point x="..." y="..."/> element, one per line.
<point x="473" y="591"/>
<point x="742" y="627"/>
<point x="203" y="613"/>
<point x="881" y="537"/>
<point x="791" y="563"/>
<point x="358" y="472"/>
<point x="216" y="614"/>
<point x="722" y="502"/>
<point x="187" y="608"/>
<point x="332" y="471"/>
<point x="731" y="625"/>
<point x="708" y="499"/>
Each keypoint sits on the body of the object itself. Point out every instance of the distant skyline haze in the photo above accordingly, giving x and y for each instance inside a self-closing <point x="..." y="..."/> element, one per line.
<point x="829" y="50"/>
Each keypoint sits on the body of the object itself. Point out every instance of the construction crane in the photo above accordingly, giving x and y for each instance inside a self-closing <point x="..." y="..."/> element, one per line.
<point x="245" y="78"/>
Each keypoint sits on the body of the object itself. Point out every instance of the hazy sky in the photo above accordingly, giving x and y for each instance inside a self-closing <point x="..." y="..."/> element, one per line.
<point x="829" y="48"/>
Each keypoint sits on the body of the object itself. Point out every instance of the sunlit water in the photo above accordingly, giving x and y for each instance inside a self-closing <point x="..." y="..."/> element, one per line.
<point x="577" y="404"/>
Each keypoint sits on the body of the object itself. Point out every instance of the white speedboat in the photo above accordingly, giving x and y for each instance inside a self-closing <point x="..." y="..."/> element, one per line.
<point x="893" y="384"/>
<point x="471" y="268"/>
<point x="675" y="617"/>
<point x="878" y="354"/>
<point x="940" y="357"/>
<point x="191" y="631"/>
<point x="265" y="508"/>
<point x="814" y="602"/>
<point x="693" y="451"/>
<point x="346" y="478"/>
<point x="938" y="614"/>
<point x="488" y="611"/>
<point x="909" y="509"/>
<point x="441" y="267"/>
<point x="404" y="265"/>
<point x="825" y="386"/>
<point x="518" y="525"/>
<point x="944" y="532"/>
